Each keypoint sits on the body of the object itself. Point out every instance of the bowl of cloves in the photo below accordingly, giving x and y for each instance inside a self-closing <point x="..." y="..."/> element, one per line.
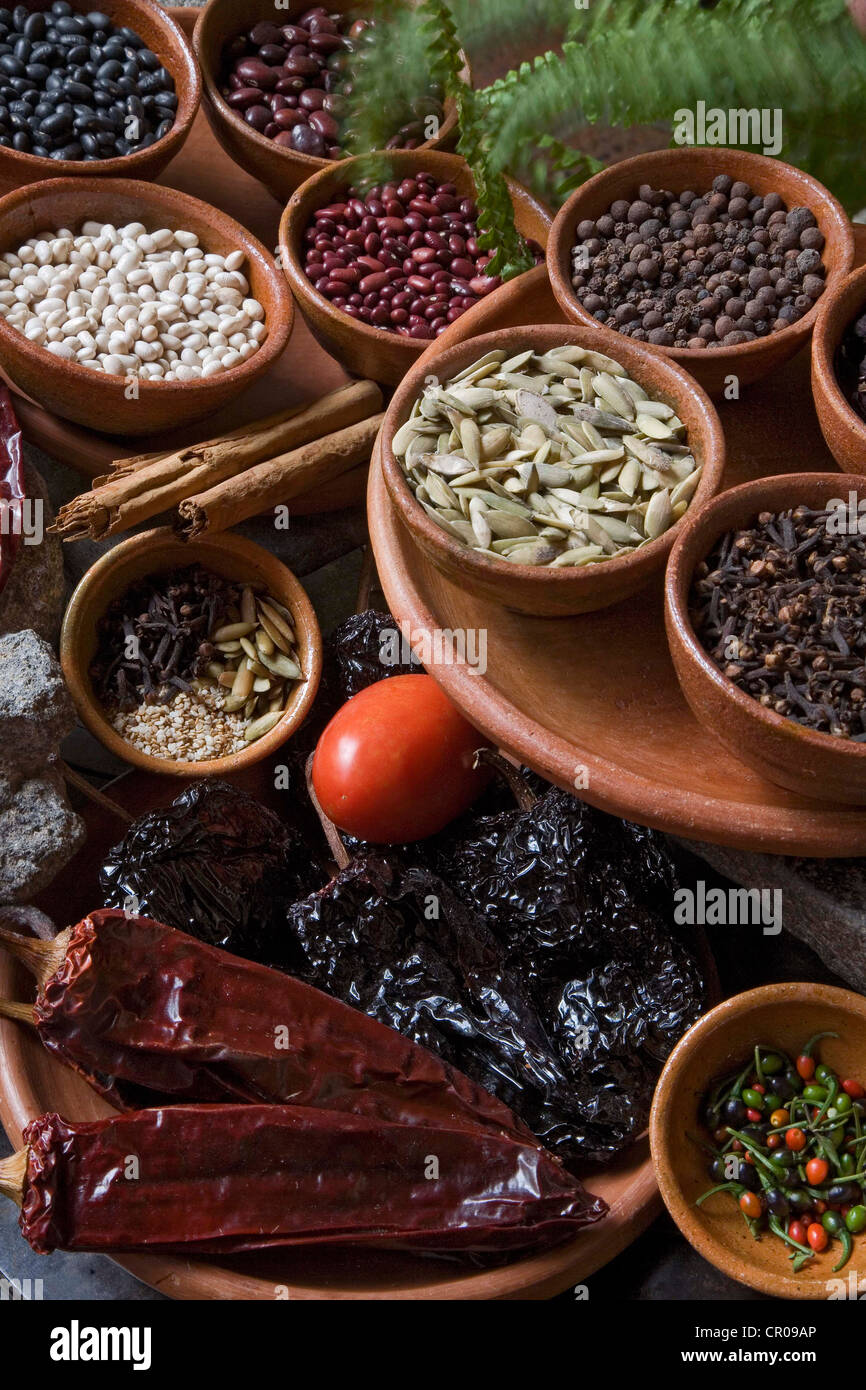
<point x="765" y="610"/>
<point x="191" y="658"/>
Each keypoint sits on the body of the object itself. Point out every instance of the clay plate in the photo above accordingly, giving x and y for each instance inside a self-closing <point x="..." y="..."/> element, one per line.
<point x="782" y="1016"/>
<point x="303" y="372"/>
<point x="593" y="702"/>
<point x="32" y="1082"/>
<point x="695" y="167"/>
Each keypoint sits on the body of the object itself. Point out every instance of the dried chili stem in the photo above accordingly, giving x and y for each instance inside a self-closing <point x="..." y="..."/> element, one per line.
<point x="41" y="958"/>
<point x="13" y="1172"/>
<point x="22" y="1013"/>
<point x="335" y="844"/>
<point x="522" y="794"/>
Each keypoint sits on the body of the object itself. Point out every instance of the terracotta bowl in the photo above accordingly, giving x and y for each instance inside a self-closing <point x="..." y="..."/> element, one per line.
<point x="813" y="764"/>
<point x="149" y="553"/>
<point x="93" y="398"/>
<point x="695" y="167"/>
<point x="538" y="589"/>
<point x="279" y="169"/>
<point x="363" y="349"/>
<point x="841" y="426"/>
<point x="780" y="1016"/>
<point x="168" y="41"/>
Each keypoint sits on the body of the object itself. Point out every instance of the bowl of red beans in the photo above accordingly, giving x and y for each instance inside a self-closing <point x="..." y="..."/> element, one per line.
<point x="380" y="270"/>
<point x="277" y="82"/>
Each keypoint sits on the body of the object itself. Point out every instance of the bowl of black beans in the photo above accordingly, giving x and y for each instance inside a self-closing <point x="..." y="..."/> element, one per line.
<point x="718" y="258"/>
<point x="111" y="92"/>
<point x="277" y="82"/>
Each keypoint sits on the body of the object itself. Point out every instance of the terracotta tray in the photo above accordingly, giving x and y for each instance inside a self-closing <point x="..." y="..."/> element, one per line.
<point x="593" y="702"/>
<point x="304" y="371"/>
<point x="31" y="1083"/>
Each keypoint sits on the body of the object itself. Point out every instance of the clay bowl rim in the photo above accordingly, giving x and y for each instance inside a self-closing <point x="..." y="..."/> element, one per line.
<point x="31" y="168"/>
<point x="761" y="494"/>
<point x="311" y="163"/>
<point x="153" y="198"/>
<point x="663" y="1144"/>
<point x="306" y="200"/>
<point x="86" y="607"/>
<point x="676" y="383"/>
<point x="739" y="163"/>
<point x="826" y="341"/>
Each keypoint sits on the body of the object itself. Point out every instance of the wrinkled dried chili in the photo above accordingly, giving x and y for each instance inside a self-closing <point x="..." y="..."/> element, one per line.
<point x="224" y="1179"/>
<point x="11" y="486"/>
<point x="132" y="1004"/>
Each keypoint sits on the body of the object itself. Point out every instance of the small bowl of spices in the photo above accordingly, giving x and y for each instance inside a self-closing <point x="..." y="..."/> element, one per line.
<point x="839" y="371"/>
<point x="716" y="258"/>
<point x="276" y="87"/>
<point x="191" y="659"/>
<point x="536" y="471"/>
<point x="111" y="91"/>
<point x="758" y="1138"/>
<point x="131" y="308"/>
<point x="766" y="621"/>
<point x="379" y="271"/>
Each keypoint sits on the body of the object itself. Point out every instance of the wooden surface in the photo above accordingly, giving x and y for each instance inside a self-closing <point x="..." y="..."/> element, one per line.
<point x="303" y="373"/>
<point x="593" y="702"/>
<point x="32" y="1082"/>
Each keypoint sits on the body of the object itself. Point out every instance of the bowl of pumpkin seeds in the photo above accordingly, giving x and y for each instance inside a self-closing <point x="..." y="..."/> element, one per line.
<point x="535" y="470"/>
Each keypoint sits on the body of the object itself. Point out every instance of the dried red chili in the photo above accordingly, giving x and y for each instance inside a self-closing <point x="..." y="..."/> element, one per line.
<point x="11" y="486"/>
<point x="223" y="1179"/>
<point x="131" y="1003"/>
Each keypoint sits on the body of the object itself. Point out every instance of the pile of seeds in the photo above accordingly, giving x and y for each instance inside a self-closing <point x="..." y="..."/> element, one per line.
<point x="74" y="86"/>
<point x="554" y="458"/>
<point x="851" y="364"/>
<point x="781" y="608"/>
<point x="203" y="662"/>
<point x="699" y="271"/>
<point x="290" y="82"/>
<point x="126" y="301"/>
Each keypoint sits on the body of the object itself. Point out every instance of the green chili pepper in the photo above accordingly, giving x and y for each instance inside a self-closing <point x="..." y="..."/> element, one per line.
<point x="847" y="1247"/>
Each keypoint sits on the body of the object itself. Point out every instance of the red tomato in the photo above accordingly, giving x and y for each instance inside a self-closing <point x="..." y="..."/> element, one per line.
<point x="817" y="1170"/>
<point x="795" y="1139"/>
<point x="817" y="1236"/>
<point x="395" y="763"/>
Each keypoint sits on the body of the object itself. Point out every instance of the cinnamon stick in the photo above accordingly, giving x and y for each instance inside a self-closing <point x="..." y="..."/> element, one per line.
<point x="277" y="481"/>
<point x="140" y="488"/>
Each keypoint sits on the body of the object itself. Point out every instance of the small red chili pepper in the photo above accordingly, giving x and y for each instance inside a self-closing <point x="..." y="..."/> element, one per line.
<point x="797" y="1232"/>
<point x="795" y="1139"/>
<point x="774" y="1141"/>
<point x="762" y="1090"/>
<point x="805" y="1066"/>
<point x="820" y="1206"/>
<point x="853" y="1089"/>
<point x="817" y="1170"/>
<point x="754" y="1116"/>
<point x="750" y="1205"/>
<point x="817" y="1236"/>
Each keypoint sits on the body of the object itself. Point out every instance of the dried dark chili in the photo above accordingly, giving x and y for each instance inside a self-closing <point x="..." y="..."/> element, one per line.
<point x="224" y="1179"/>
<point x="132" y="1004"/>
<point x="11" y="486"/>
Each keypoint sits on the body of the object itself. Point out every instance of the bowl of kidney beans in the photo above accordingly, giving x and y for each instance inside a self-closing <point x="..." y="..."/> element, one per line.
<point x="379" y="272"/>
<point x="85" y="91"/>
<point x="276" y="84"/>
<point x="715" y="257"/>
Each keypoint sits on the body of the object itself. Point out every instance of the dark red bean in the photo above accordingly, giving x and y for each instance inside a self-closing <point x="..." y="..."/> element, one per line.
<point x="371" y="283"/>
<point x="243" y="97"/>
<point x="420" y="283"/>
<point x="324" y="124"/>
<point x="286" y="119"/>
<point x="273" y="54"/>
<point x="257" y="73"/>
<point x="259" y="117"/>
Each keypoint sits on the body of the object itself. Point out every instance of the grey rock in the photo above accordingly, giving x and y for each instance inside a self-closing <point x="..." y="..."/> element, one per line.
<point x="823" y="901"/>
<point x="39" y="833"/>
<point x="36" y="711"/>
<point x="34" y="595"/>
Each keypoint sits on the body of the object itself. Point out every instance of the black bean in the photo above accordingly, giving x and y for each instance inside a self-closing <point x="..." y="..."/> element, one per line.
<point x="34" y="26"/>
<point x="98" y="20"/>
<point x="11" y="65"/>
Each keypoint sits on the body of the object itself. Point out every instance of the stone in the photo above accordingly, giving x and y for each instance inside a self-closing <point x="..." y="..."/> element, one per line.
<point x="34" y="595"/>
<point x="823" y="901"/>
<point x="39" y="833"/>
<point x="36" y="710"/>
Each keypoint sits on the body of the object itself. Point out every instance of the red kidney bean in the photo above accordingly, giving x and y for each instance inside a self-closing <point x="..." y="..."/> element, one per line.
<point x="285" y="120"/>
<point x="324" y="124"/>
<point x="243" y="97"/>
<point x="259" y="117"/>
<point x="370" y="283"/>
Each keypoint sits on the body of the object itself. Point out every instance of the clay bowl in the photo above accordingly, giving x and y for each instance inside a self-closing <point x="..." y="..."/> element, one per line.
<point x="780" y="1016"/>
<point x="538" y="589"/>
<point x="280" y="170"/>
<point x="696" y="168"/>
<point x="841" y="426"/>
<point x="363" y="349"/>
<point x="155" y="551"/>
<point x="168" y="41"/>
<point x="804" y="761"/>
<point x="94" y="398"/>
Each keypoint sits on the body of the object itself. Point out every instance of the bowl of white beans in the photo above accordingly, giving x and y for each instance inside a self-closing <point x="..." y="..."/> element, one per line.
<point x="130" y="308"/>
